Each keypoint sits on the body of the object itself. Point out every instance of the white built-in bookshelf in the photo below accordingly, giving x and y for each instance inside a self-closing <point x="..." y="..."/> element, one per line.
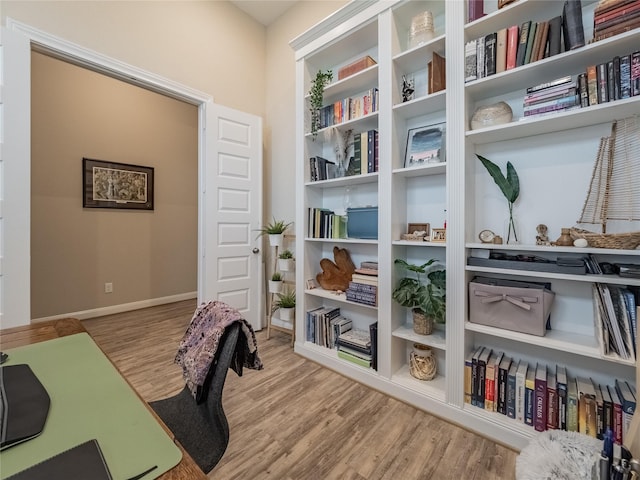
<point x="553" y="156"/>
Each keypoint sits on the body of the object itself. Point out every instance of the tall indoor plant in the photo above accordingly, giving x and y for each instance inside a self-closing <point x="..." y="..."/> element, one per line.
<point x="510" y="188"/>
<point x="424" y="291"/>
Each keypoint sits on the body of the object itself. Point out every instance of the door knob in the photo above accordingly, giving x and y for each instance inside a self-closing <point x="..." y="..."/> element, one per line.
<point x="256" y="250"/>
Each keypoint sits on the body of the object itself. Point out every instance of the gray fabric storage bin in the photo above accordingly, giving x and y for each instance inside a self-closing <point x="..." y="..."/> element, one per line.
<point x="512" y="305"/>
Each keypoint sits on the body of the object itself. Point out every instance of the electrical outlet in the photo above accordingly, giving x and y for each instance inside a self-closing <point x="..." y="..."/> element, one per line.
<point x="108" y="287"/>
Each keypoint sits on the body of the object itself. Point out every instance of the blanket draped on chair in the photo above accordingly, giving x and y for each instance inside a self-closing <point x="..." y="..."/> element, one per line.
<point x="198" y="347"/>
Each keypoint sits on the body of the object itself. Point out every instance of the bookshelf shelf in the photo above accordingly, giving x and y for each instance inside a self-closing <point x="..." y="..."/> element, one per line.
<point x="351" y="85"/>
<point x="366" y="122"/>
<point x="546" y="151"/>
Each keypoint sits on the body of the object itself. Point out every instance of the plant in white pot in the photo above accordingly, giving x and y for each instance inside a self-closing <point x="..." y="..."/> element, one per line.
<point x="275" y="284"/>
<point x="285" y="261"/>
<point x="275" y="230"/>
<point x="425" y="296"/>
<point x="287" y="304"/>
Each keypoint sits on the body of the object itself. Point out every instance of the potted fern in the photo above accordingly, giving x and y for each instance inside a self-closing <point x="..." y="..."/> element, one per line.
<point x="424" y="291"/>
<point x="275" y="230"/>
<point x="275" y="284"/>
<point x="286" y="303"/>
<point x="285" y="261"/>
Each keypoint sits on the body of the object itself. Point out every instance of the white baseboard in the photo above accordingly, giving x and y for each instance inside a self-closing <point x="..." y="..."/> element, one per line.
<point x="125" y="307"/>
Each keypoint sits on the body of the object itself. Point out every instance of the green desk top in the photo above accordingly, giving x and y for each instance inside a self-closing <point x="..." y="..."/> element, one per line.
<point x="89" y="399"/>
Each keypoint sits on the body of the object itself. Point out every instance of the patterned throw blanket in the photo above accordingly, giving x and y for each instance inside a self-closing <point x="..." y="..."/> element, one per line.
<point x="198" y="347"/>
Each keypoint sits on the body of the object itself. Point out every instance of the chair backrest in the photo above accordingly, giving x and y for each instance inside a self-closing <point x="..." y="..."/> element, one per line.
<point x="214" y="383"/>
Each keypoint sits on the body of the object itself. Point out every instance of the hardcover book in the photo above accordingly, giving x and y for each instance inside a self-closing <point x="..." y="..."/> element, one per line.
<point x="490" y="54"/>
<point x="501" y="50"/>
<point x="512" y="47"/>
<point x="587" y="408"/>
<point x="521" y="377"/>
<point x="531" y="37"/>
<point x="552" y="401"/>
<point x="474" y="376"/>
<point x="468" y="361"/>
<point x="540" y="399"/>
<point x="482" y="371"/>
<point x="572" y="406"/>
<point x="475" y="9"/>
<point x="480" y="72"/>
<point x="437" y="73"/>
<point x="470" y="61"/>
<point x="607" y="409"/>
<point x="583" y="89"/>
<point x="600" y="431"/>
<point x="522" y="43"/>
<point x="503" y="374"/>
<point x="489" y="389"/>
<point x="572" y="28"/>
<point x="529" y="389"/>
<point x="511" y="390"/>
<point x="561" y="385"/>
<point x="592" y="84"/>
<point x="635" y="73"/>
<point x="602" y="76"/>
<point x="555" y="35"/>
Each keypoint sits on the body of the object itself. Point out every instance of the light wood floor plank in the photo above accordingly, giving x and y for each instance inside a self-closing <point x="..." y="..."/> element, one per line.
<point x="296" y="420"/>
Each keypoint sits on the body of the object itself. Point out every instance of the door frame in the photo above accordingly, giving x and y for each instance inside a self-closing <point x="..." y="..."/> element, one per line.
<point x="19" y="267"/>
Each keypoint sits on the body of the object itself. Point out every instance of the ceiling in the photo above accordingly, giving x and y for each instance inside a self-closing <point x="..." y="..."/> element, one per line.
<point x="264" y="11"/>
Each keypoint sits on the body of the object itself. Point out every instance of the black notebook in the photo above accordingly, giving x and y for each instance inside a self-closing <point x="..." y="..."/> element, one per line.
<point x="82" y="461"/>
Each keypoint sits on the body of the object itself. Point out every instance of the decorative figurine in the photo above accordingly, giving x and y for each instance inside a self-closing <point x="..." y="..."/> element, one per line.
<point x="407" y="89"/>
<point x="542" y="237"/>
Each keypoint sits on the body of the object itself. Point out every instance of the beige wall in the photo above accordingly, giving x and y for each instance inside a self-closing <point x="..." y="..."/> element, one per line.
<point x="77" y="113"/>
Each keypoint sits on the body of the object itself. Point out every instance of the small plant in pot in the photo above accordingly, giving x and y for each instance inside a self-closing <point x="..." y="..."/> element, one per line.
<point x="424" y="291"/>
<point x="275" y="229"/>
<point x="285" y="260"/>
<point x="275" y="284"/>
<point x="287" y="304"/>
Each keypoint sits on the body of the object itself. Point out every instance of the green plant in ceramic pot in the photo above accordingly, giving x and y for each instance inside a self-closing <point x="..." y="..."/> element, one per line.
<point x="316" y="98"/>
<point x="424" y="291"/>
<point x="275" y="230"/>
<point x="286" y="303"/>
<point x="285" y="261"/>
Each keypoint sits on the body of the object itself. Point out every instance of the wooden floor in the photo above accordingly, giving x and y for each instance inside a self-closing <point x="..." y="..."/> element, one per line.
<point x="296" y="420"/>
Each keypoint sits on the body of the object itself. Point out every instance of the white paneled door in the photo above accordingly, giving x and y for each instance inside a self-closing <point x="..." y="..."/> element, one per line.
<point x="233" y="211"/>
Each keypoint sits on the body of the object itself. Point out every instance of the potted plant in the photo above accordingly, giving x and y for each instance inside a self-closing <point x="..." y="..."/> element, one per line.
<point x="510" y="188"/>
<point x="316" y="98"/>
<point x="275" y="284"/>
<point x="424" y="291"/>
<point x="285" y="261"/>
<point x="275" y="230"/>
<point x="287" y="304"/>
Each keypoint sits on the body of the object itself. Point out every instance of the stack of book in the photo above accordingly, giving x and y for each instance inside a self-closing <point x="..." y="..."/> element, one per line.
<point x="547" y="398"/>
<point x="324" y="325"/>
<point x="557" y="95"/>
<point x="612" y="17"/>
<point x="363" y="287"/>
<point x="355" y="346"/>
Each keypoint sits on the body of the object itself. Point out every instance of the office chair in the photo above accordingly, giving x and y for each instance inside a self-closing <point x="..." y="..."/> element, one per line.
<point x="202" y="428"/>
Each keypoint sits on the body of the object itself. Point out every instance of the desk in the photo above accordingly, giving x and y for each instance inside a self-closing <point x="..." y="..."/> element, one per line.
<point x="187" y="469"/>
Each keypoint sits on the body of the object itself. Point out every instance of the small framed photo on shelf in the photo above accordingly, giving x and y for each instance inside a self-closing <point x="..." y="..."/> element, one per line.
<point x="439" y="235"/>
<point x="311" y="284"/>
<point x="425" y="145"/>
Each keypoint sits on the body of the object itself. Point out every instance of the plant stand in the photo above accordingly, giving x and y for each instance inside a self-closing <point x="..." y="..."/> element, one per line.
<point x="271" y="297"/>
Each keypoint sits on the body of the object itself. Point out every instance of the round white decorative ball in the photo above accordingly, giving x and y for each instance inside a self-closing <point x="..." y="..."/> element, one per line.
<point x="580" y="242"/>
<point x="489" y="115"/>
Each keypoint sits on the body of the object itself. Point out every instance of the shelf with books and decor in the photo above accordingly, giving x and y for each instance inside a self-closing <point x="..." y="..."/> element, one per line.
<point x="585" y="325"/>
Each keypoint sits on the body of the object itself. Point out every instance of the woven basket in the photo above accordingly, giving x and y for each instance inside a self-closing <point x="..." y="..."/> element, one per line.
<point x="422" y="324"/>
<point x="622" y="241"/>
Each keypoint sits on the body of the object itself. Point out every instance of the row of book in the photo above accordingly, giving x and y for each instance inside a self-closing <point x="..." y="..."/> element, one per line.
<point x="615" y="313"/>
<point x="349" y="108"/>
<point x="324" y="223"/>
<point x="547" y="398"/>
<point x="613" y="17"/>
<point x="324" y="325"/>
<point x="365" y="153"/>
<point x="363" y="287"/>
<point x="321" y="169"/>
<point x="617" y="79"/>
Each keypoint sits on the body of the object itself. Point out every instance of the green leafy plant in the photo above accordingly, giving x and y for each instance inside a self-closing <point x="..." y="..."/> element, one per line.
<point x="424" y="290"/>
<point x="276" y="227"/>
<point x="316" y="98"/>
<point x="509" y="186"/>
<point x="285" y="254"/>
<point x="286" y="300"/>
<point x="276" y="277"/>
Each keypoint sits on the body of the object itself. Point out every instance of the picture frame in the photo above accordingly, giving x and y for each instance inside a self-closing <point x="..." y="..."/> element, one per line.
<point x="439" y="235"/>
<point x="311" y="283"/>
<point x="117" y="185"/>
<point x="425" y="145"/>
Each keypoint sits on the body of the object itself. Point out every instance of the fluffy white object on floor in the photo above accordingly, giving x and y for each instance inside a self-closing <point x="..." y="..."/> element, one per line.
<point x="558" y="455"/>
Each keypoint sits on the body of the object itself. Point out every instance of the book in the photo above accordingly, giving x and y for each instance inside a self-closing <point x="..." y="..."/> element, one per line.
<point x="555" y="35"/>
<point x="583" y="90"/>
<point x="611" y="80"/>
<point x="531" y="38"/>
<point x="480" y="72"/>
<point x="512" y="47"/>
<point x="572" y="28"/>
<point x="490" y="54"/>
<point x="511" y="390"/>
<point x="529" y="389"/>
<point x="625" y="26"/>
<point x="561" y="387"/>
<point x="587" y="408"/>
<point x="592" y="84"/>
<point x="628" y="402"/>
<point x="370" y="150"/>
<point x="358" y="337"/>
<point x="541" y="51"/>
<point x="373" y="334"/>
<point x="470" y="62"/>
<point x="602" y="77"/>
<point x="606" y="6"/>
<point x="572" y="406"/>
<point x="437" y="73"/>
<point x="607" y="408"/>
<point x="617" y="414"/>
<point x="475" y="9"/>
<point x="521" y="377"/>
<point x="501" y="50"/>
<point x="474" y="376"/>
<point x="468" y="361"/>
<point x="552" y="401"/>
<point x="540" y="398"/>
<point x="482" y="372"/>
<point x="496" y="380"/>
<point x="599" y="411"/>
<point x="354" y="359"/>
<point x="602" y="20"/>
<point x="558" y="83"/>
<point x="522" y="43"/>
<point x="503" y="373"/>
<point x="490" y="376"/>
<point x="635" y="73"/>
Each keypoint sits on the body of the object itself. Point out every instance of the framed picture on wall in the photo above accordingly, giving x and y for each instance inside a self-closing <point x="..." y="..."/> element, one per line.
<point x="425" y="145"/>
<point x="116" y="185"/>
